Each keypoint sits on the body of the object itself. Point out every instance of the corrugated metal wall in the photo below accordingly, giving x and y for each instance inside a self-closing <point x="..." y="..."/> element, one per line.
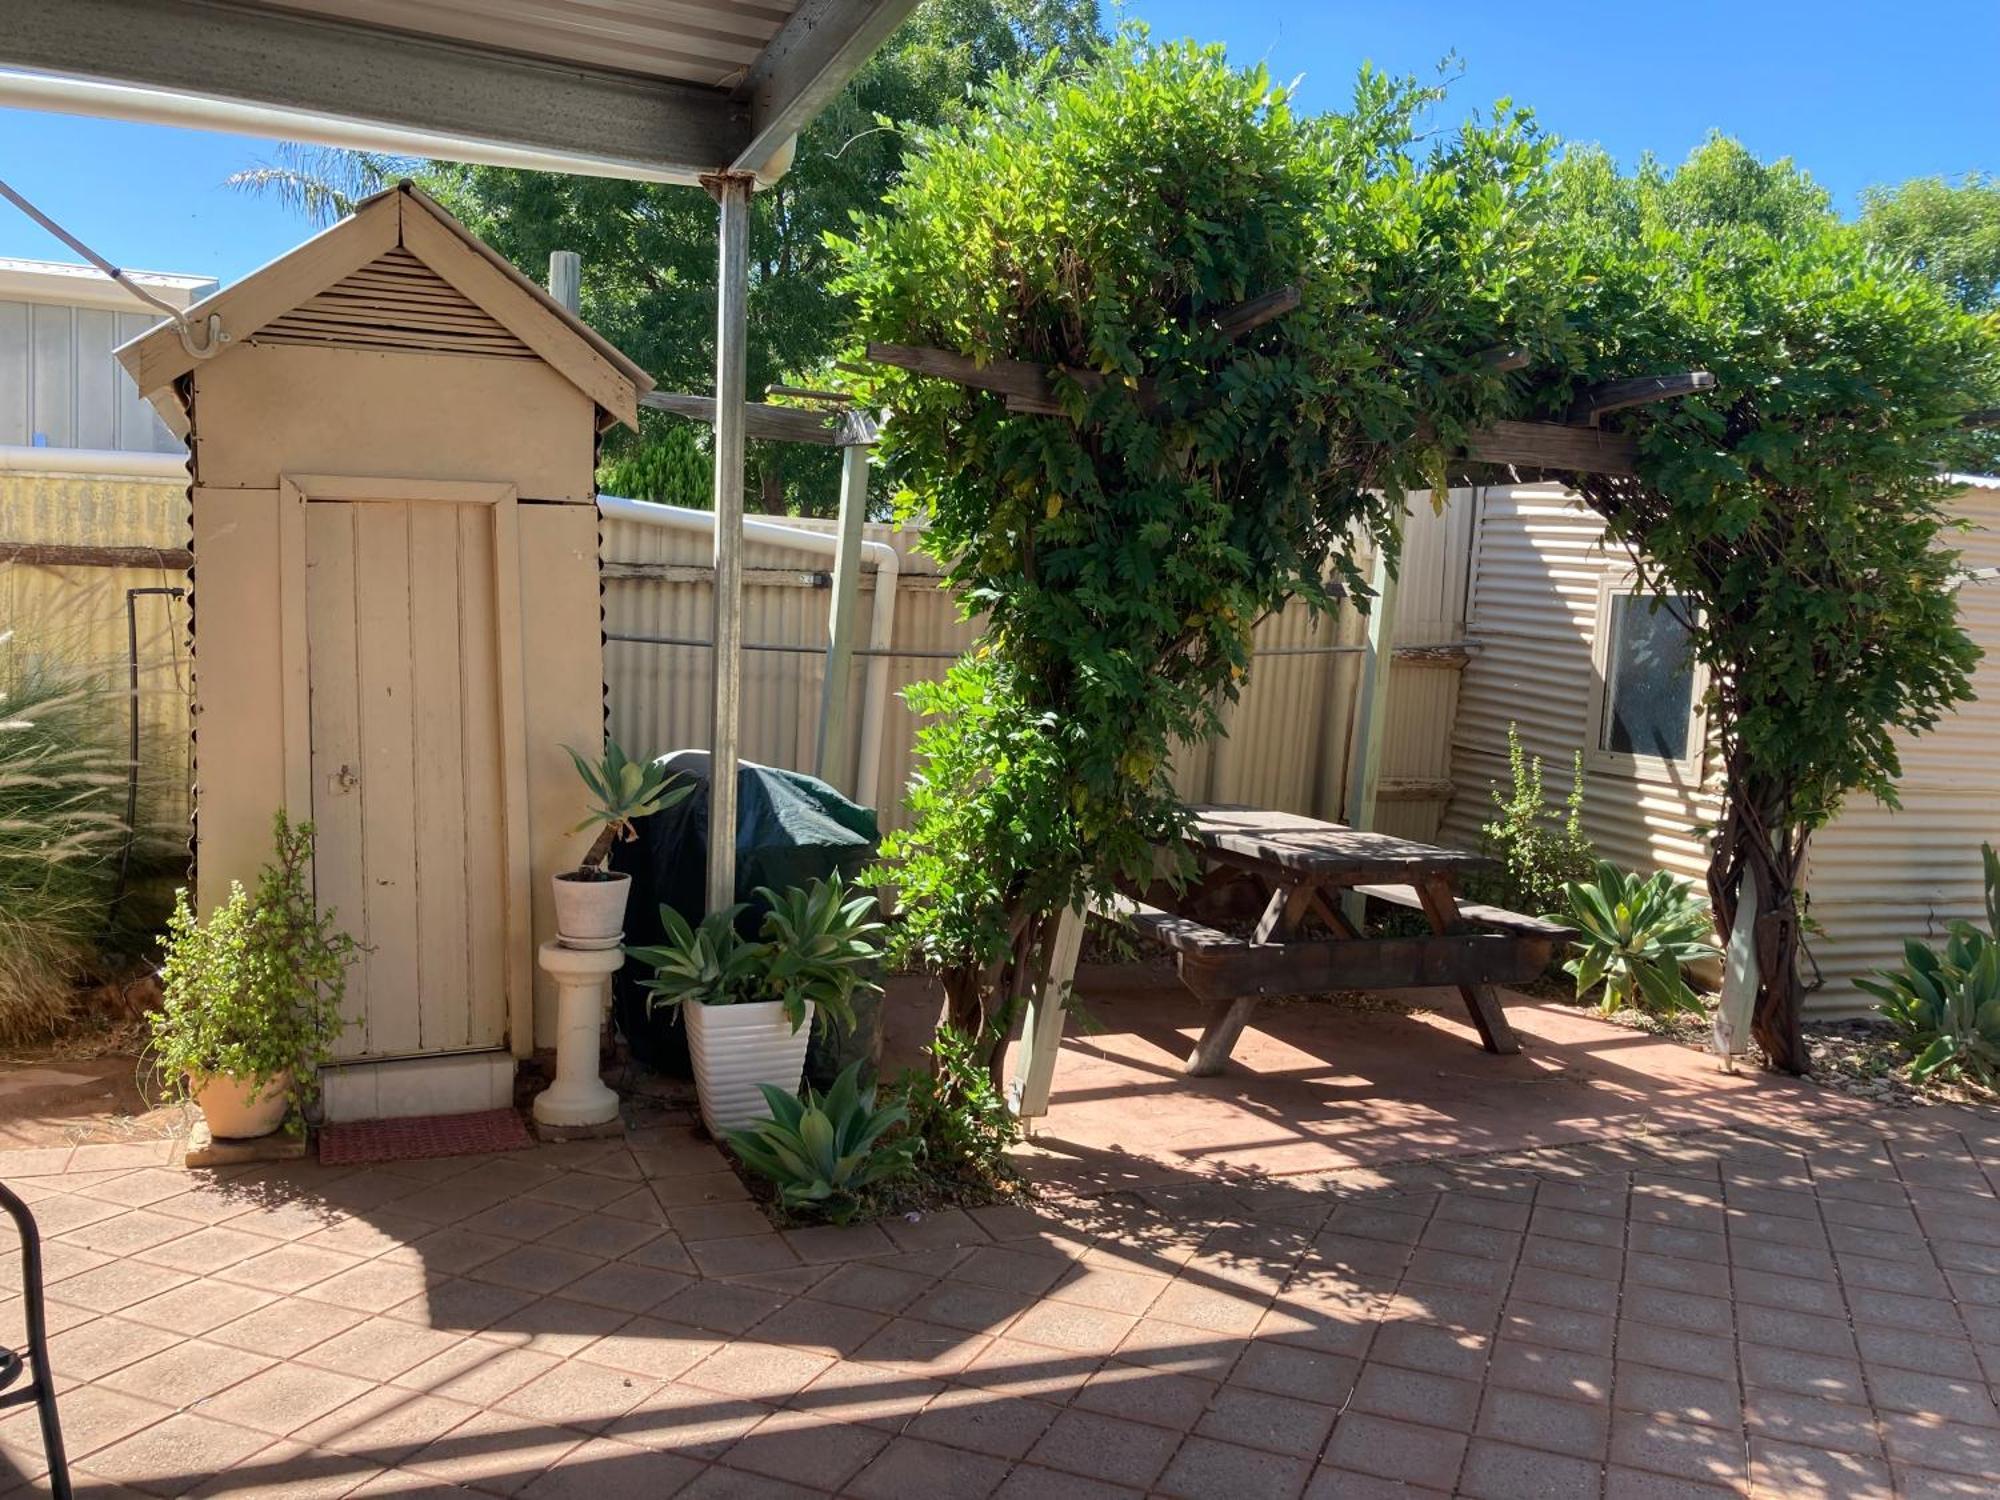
<point x="1874" y="877"/>
<point x="77" y="614"/>
<point x="60" y="387"/>
<point x="1877" y="877"/>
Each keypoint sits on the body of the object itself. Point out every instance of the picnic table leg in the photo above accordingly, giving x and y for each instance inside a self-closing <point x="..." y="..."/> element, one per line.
<point x="1496" y="1032"/>
<point x="1282" y="914"/>
<point x="1042" y="1027"/>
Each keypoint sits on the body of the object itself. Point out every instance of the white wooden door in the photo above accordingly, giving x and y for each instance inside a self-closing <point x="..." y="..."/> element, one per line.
<point x="408" y="758"/>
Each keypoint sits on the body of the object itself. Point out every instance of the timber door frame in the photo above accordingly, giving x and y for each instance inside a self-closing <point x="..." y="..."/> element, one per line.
<point x="295" y="492"/>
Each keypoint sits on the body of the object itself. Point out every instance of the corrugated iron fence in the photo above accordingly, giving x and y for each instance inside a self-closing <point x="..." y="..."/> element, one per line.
<point x="1287" y="738"/>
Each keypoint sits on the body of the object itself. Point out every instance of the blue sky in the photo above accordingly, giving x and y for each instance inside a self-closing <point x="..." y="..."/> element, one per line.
<point x="1857" y="92"/>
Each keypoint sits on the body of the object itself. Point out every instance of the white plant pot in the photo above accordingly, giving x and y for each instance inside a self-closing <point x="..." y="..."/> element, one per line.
<point x="591" y="913"/>
<point x="234" y="1112"/>
<point x="735" y="1049"/>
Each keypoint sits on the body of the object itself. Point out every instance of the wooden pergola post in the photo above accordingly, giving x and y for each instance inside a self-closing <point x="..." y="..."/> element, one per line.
<point x="836" y="697"/>
<point x="1371" y="706"/>
<point x="731" y="191"/>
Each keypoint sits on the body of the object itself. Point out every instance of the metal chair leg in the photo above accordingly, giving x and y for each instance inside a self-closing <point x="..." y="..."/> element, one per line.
<point x="42" y="1389"/>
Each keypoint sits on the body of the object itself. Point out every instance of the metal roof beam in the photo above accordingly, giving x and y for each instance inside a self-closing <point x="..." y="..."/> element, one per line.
<point x="810" y="59"/>
<point x="467" y="103"/>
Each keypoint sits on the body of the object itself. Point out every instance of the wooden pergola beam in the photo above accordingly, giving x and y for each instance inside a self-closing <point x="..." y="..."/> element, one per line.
<point x="1554" y="445"/>
<point x="780" y="424"/>
<point x="1614" y="395"/>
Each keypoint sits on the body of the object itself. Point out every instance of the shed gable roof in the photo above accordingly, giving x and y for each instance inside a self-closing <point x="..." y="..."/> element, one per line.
<point x="398" y="273"/>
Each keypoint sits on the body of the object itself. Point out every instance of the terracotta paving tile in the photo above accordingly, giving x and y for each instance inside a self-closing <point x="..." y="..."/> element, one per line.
<point x="1500" y="1471"/>
<point x="386" y="1424"/>
<point x="1020" y="1369"/>
<point x="692" y="1189"/>
<point x="1262" y="1419"/>
<point x="1107" y="1448"/>
<point x="1112" y="1290"/>
<point x="495" y="1452"/>
<point x="850" y="1392"/>
<point x="1558" y="1327"/>
<point x="923" y="1348"/>
<point x="688" y="1420"/>
<point x="288" y="1267"/>
<point x="910" y="1466"/>
<point x="1414" y="1396"/>
<point x="1621" y="1483"/>
<point x="1677" y="1349"/>
<point x="1177" y="1347"/>
<point x="602" y="1469"/>
<point x="288" y="1470"/>
<point x="718" y="1221"/>
<point x="1427" y="1346"/>
<point x="1205" y="1467"/>
<point x="1794" y="1330"/>
<point x="93" y="1417"/>
<point x="575" y="1394"/>
<point x="742" y="1255"/>
<point x="1789" y="1469"/>
<point x="1083" y="1330"/>
<point x="952" y="1228"/>
<point x="721" y="1307"/>
<point x="805" y="1450"/>
<point x="981" y="1309"/>
<point x="477" y="1371"/>
<point x="1803" y="1373"/>
<point x="204" y="1251"/>
<point x="109" y="1286"/>
<point x="174" y="1455"/>
<point x="1900" y="1348"/>
<point x="760" y="1371"/>
<point x="555" y="1326"/>
<point x="540" y="1269"/>
<point x="93" y="1350"/>
<point x="1911" y="1278"/>
<point x="453" y="1252"/>
<point x="1545" y="1424"/>
<point x="126" y="1233"/>
<point x="984" y="1421"/>
<point x="1367" y="1444"/>
<point x="820" y="1327"/>
<point x="379" y="1348"/>
<point x="190" y="1370"/>
<point x="1475" y="1310"/>
<point x="462" y="1305"/>
<point x="1706" y="1399"/>
<point x="521" y="1219"/>
<point x="284" y="1398"/>
<point x="381" y="1233"/>
<point x="603" y="1235"/>
<point x="285" y="1327"/>
<point x="1190" y="1302"/>
<point x="1307" y="1374"/>
<point x="1679" y="1450"/>
<point x="199" y="1306"/>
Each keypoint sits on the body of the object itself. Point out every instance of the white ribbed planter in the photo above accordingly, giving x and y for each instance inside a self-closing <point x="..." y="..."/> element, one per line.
<point x="736" y="1048"/>
<point x="233" y="1111"/>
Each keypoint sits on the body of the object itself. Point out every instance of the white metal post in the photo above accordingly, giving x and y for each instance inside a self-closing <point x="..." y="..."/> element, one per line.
<point x="1371" y="703"/>
<point x="566" y="278"/>
<point x="732" y="193"/>
<point x="836" y="693"/>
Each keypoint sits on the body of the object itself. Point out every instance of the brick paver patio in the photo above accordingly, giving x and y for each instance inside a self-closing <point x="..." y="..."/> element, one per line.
<point x="1815" y="1313"/>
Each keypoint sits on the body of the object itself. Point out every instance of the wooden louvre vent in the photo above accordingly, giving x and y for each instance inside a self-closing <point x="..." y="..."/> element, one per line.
<point x="395" y="302"/>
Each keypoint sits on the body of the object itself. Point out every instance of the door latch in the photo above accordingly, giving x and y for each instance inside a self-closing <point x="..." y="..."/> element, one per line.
<point x="344" y="780"/>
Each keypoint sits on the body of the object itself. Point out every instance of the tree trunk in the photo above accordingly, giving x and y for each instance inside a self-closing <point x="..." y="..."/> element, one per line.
<point x="1757" y="842"/>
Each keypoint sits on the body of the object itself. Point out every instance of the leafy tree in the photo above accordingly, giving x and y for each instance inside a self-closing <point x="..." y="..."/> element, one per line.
<point x="649" y="248"/>
<point x="1123" y="551"/>
<point x="1793" y="517"/>
<point x="1950" y="231"/>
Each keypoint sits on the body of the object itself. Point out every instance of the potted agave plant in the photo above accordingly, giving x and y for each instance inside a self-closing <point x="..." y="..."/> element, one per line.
<point x="590" y="900"/>
<point x="751" y="1003"/>
<point x="252" y="996"/>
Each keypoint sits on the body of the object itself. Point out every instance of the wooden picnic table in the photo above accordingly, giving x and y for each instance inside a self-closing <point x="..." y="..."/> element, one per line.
<point x="1302" y="865"/>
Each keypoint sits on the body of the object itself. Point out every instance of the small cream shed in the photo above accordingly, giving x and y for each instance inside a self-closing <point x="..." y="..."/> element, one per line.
<point x="396" y="619"/>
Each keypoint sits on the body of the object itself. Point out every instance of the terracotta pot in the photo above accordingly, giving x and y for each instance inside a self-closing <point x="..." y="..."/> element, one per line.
<point x="233" y="1112"/>
<point x="591" y="913"/>
<point x="735" y="1049"/>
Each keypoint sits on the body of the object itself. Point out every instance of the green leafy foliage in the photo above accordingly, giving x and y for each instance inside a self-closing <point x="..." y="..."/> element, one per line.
<point x="622" y="791"/>
<point x="1637" y="934"/>
<point x="823" y="1152"/>
<point x="256" y="990"/>
<point x="1949" y="230"/>
<point x="1945" y="1003"/>
<point x="61" y="826"/>
<point x="1539" y="850"/>
<point x="817" y="948"/>
<point x="962" y="1127"/>
<point x="673" y="466"/>
<point x="1100" y="219"/>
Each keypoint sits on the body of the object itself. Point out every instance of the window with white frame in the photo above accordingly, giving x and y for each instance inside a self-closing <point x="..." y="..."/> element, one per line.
<point x="1646" y="707"/>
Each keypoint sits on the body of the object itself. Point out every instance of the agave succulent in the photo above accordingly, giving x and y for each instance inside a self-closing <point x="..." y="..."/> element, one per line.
<point x="1946" y="1004"/>
<point x="822" y="1150"/>
<point x="1637" y="933"/>
<point x="622" y="791"/>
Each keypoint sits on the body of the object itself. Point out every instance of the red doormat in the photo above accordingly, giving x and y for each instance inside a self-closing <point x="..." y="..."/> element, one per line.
<point x="363" y="1141"/>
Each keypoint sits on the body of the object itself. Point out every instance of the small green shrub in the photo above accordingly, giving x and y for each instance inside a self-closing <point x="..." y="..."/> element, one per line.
<point x="817" y="946"/>
<point x="61" y="826"/>
<point x="1945" y="1004"/>
<point x="622" y="791"/>
<point x="256" y="990"/>
<point x="1539" y="852"/>
<point x="668" y="462"/>
<point x="824" y="1151"/>
<point x="962" y="1126"/>
<point x="1638" y="932"/>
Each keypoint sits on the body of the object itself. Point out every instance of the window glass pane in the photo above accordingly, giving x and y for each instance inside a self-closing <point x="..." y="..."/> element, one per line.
<point x="1649" y="686"/>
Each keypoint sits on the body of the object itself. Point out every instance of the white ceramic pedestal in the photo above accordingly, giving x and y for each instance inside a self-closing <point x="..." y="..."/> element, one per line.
<point x="578" y="1097"/>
